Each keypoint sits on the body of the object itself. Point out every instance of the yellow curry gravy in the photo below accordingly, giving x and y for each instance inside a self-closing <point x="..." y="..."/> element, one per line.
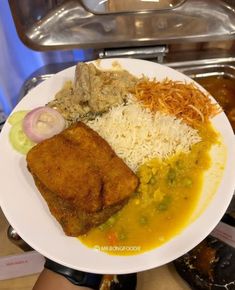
<point x="162" y="206"/>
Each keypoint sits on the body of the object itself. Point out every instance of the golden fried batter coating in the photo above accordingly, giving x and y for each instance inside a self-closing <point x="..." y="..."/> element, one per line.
<point x="79" y="169"/>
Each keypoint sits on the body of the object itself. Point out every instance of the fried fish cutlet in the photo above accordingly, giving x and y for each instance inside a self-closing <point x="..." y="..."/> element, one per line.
<point x="79" y="221"/>
<point x="82" y="179"/>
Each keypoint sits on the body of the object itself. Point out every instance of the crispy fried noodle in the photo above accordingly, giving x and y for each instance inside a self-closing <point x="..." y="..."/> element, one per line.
<point x="183" y="100"/>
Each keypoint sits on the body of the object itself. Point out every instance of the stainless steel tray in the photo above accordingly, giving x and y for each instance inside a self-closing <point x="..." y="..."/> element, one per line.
<point x="202" y="71"/>
<point x="206" y="67"/>
<point x="225" y="70"/>
<point x="60" y="24"/>
<point x="194" y="69"/>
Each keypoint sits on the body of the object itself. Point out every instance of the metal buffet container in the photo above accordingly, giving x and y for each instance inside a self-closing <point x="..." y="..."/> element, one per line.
<point x="195" y="37"/>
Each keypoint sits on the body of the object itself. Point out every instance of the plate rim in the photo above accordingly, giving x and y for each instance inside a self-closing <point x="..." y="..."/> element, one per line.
<point x="121" y="259"/>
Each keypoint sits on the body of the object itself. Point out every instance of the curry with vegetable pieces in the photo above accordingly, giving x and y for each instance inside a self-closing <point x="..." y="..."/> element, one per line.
<point x="163" y="204"/>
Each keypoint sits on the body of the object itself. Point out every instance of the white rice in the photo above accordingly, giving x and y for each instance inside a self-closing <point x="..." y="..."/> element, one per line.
<point x="137" y="135"/>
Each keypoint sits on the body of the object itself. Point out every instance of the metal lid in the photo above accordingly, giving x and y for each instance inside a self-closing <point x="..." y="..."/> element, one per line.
<point x="122" y="6"/>
<point x="65" y="24"/>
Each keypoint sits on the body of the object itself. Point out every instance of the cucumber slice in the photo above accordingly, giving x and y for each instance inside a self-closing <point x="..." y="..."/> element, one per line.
<point x="16" y="117"/>
<point x="19" y="141"/>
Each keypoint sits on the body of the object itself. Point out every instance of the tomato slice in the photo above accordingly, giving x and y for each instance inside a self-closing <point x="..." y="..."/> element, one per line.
<point x="19" y="141"/>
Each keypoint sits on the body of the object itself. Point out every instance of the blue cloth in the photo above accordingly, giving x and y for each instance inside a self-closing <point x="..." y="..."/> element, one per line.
<point x="18" y="62"/>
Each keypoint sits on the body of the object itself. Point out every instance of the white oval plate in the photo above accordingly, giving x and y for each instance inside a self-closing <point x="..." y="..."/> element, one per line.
<point x="28" y="213"/>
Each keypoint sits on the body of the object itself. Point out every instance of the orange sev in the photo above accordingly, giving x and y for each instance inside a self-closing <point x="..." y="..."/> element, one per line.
<point x="184" y="100"/>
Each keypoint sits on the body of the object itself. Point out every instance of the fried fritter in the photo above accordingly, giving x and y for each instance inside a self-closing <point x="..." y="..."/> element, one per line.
<point x="82" y="179"/>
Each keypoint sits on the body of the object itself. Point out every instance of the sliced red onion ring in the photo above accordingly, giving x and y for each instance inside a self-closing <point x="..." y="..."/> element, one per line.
<point x="42" y="123"/>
